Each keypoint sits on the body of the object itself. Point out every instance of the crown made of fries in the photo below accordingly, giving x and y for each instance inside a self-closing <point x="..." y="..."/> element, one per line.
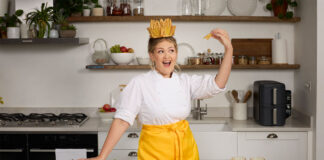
<point x="161" y="28"/>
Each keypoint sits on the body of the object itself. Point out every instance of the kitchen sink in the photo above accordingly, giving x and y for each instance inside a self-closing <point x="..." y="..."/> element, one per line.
<point x="215" y="127"/>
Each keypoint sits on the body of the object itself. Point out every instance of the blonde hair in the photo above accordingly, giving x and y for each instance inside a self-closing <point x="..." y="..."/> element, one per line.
<point x="153" y="42"/>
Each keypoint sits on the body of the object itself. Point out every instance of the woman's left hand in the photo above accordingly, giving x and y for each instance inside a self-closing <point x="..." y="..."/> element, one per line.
<point x="222" y="37"/>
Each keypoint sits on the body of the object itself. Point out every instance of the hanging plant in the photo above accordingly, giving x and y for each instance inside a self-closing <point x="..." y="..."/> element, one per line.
<point x="279" y="8"/>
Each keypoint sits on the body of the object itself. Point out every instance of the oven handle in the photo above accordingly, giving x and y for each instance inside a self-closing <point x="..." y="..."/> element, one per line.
<point x="52" y="150"/>
<point x="11" y="150"/>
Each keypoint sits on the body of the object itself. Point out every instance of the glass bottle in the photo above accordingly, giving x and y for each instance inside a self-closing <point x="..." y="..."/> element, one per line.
<point x="125" y="6"/>
<point x="138" y="8"/>
<point x="186" y="8"/>
<point x="198" y="7"/>
<point x="117" y="11"/>
<point x="252" y="60"/>
<point x="110" y="7"/>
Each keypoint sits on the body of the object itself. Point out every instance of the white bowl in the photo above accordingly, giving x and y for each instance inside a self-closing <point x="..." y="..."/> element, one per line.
<point x="143" y="61"/>
<point x="122" y="58"/>
<point x="106" y="116"/>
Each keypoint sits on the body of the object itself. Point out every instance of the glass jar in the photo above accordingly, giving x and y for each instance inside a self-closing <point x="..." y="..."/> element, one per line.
<point x="252" y="60"/>
<point x="110" y="7"/>
<point x="264" y="60"/>
<point x="138" y="8"/>
<point x="242" y="60"/>
<point x="186" y="8"/>
<point x="233" y="59"/>
<point x="117" y="10"/>
<point x="216" y="57"/>
<point x="125" y="6"/>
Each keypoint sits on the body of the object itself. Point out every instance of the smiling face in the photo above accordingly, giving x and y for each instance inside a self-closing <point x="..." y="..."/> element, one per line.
<point x="164" y="56"/>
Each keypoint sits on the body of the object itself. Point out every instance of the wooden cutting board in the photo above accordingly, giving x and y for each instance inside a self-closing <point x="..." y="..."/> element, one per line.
<point x="252" y="47"/>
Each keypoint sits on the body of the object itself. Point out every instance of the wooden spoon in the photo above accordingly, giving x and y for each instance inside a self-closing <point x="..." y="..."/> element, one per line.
<point x="235" y="95"/>
<point x="247" y="96"/>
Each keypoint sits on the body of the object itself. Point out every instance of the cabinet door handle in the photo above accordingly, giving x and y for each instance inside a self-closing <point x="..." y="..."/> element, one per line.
<point x="132" y="154"/>
<point x="132" y="135"/>
<point x="272" y="136"/>
<point x="11" y="150"/>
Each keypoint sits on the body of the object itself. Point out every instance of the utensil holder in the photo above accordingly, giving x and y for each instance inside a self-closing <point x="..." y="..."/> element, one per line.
<point x="240" y="111"/>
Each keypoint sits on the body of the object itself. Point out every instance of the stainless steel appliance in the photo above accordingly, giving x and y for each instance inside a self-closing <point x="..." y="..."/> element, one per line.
<point x="271" y="103"/>
<point x="39" y="146"/>
<point x="42" y="120"/>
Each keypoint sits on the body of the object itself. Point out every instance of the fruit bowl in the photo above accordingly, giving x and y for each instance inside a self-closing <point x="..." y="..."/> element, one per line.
<point x="122" y="58"/>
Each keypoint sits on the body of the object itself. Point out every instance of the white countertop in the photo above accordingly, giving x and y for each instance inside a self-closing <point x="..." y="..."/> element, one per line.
<point x="296" y="123"/>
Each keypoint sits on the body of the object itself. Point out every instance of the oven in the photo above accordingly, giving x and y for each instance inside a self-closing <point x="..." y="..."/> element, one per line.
<point x="13" y="147"/>
<point x="42" y="146"/>
<point x="39" y="145"/>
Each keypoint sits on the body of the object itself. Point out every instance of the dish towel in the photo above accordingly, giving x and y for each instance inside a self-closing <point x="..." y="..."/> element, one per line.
<point x="70" y="154"/>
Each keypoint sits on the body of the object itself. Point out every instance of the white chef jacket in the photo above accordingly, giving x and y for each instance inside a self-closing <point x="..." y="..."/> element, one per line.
<point x="158" y="100"/>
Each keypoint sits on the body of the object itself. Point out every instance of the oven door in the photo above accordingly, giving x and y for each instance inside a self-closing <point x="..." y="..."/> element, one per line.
<point x="13" y="147"/>
<point x="42" y="146"/>
<point x="49" y="154"/>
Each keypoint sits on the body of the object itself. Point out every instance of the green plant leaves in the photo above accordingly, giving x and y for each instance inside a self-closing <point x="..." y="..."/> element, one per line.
<point x="289" y="14"/>
<point x="269" y="6"/>
<point x="19" y="12"/>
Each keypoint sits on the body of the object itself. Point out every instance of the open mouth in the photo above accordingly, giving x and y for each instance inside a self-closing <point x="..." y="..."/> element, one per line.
<point x="166" y="63"/>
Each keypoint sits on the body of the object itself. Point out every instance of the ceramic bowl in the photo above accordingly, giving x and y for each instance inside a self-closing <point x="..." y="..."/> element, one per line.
<point x="122" y="58"/>
<point x="106" y="116"/>
<point x="143" y="61"/>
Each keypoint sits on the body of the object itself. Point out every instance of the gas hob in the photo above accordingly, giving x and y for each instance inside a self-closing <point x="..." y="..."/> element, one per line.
<point x="42" y="120"/>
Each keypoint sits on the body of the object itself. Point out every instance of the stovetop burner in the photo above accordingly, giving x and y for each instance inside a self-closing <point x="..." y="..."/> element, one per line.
<point x="42" y="120"/>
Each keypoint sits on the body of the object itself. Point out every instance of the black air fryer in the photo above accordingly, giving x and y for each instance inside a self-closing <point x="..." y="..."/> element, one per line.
<point x="271" y="103"/>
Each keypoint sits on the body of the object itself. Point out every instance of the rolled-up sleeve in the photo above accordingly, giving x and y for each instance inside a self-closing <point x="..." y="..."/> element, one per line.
<point x="130" y="102"/>
<point x="202" y="87"/>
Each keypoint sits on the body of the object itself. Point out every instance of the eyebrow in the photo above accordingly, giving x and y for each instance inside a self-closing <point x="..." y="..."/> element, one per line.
<point x="168" y="48"/>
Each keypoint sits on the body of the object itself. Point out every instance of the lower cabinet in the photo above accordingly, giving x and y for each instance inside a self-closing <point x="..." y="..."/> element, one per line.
<point x="216" y="145"/>
<point x="273" y="145"/>
<point x="125" y="149"/>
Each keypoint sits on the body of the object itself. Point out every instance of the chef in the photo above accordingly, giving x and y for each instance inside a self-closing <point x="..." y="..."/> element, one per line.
<point x="161" y="99"/>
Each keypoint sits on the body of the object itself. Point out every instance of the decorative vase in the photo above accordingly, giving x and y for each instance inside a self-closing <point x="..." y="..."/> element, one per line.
<point x="97" y="11"/>
<point x="86" y="12"/>
<point x="4" y="5"/>
<point x="13" y="32"/>
<point x="24" y="30"/>
<point x="279" y="9"/>
<point x="54" y="33"/>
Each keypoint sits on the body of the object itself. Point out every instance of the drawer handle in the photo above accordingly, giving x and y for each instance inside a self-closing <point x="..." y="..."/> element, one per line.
<point x="132" y="154"/>
<point x="272" y="136"/>
<point x="132" y="135"/>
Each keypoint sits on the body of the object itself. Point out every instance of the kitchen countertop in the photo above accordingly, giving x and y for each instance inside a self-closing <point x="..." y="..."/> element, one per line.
<point x="296" y="123"/>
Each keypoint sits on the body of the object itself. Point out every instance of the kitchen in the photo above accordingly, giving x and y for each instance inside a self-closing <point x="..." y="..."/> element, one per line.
<point x="53" y="77"/>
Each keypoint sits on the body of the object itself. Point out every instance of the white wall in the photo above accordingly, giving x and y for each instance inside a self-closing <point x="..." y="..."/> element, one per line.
<point x="320" y="82"/>
<point x="55" y="75"/>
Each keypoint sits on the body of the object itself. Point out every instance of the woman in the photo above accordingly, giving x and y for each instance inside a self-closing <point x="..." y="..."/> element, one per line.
<point x="161" y="99"/>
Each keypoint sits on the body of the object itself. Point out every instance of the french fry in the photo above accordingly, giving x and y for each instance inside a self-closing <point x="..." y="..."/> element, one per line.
<point x="207" y="36"/>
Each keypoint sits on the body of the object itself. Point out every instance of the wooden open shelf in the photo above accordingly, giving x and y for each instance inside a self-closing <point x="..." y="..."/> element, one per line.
<point x="72" y="41"/>
<point x="135" y="67"/>
<point x="183" y="19"/>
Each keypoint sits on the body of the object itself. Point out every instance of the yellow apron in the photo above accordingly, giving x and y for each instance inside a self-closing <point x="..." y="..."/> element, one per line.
<point x="167" y="142"/>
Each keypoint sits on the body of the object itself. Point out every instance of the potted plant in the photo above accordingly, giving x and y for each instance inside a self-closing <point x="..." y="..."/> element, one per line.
<point x="86" y="11"/>
<point x="69" y="7"/>
<point x="41" y="18"/>
<point x="13" y="31"/>
<point x="67" y="31"/>
<point x="97" y="10"/>
<point x="279" y="8"/>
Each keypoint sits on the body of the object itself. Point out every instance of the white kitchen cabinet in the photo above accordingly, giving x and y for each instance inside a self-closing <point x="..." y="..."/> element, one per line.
<point x="273" y="145"/>
<point x="125" y="149"/>
<point x="214" y="142"/>
<point x="123" y="154"/>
